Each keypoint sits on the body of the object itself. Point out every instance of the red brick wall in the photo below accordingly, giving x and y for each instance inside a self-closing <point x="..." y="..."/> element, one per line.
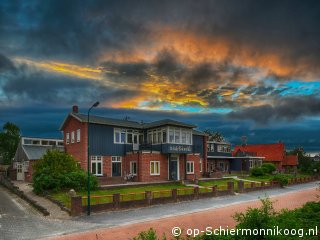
<point x="28" y="175"/>
<point x="77" y="149"/>
<point x="144" y="167"/>
<point x="196" y="160"/>
<point x="126" y="162"/>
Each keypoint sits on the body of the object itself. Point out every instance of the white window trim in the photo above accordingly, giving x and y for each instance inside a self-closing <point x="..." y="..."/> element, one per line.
<point x="67" y="138"/>
<point x="201" y="165"/>
<point x="116" y="159"/>
<point x="95" y="159"/>
<point x="72" y="137"/>
<point x="155" y="174"/>
<point x="78" y="135"/>
<point x="192" y="163"/>
<point x="131" y="162"/>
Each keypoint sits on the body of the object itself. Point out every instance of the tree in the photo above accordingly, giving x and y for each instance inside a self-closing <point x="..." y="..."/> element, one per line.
<point x="58" y="170"/>
<point x="9" y="140"/>
<point x="306" y="163"/>
<point x="214" y="136"/>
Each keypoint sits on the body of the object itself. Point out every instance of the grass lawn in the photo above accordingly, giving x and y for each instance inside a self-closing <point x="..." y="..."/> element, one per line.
<point x="126" y="194"/>
<point x="269" y="177"/>
<point x="221" y="184"/>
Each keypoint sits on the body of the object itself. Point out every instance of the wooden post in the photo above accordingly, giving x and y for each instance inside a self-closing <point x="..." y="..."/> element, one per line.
<point x="175" y="195"/>
<point x="76" y="206"/>
<point x="240" y="186"/>
<point x="116" y="200"/>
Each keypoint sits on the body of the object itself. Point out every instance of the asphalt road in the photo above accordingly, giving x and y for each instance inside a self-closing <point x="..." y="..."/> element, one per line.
<point x="19" y="221"/>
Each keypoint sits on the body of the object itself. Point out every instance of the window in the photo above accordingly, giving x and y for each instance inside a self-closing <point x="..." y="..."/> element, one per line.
<point x="164" y="136"/>
<point x="190" y="167"/>
<point x="224" y="148"/>
<point x="129" y="138"/>
<point x="78" y="135"/>
<point x="68" y="138"/>
<point x="221" y="166"/>
<point x="119" y="135"/>
<point x="154" y="168"/>
<point x="171" y="136"/>
<point x="183" y="137"/>
<point x="177" y="136"/>
<point x="189" y="138"/>
<point x="72" y="137"/>
<point x="116" y="166"/>
<point x="251" y="163"/>
<point x="96" y="165"/>
<point x="133" y="168"/>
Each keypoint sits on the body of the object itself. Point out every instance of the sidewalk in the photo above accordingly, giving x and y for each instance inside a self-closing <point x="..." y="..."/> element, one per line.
<point x="215" y="217"/>
<point x="53" y="209"/>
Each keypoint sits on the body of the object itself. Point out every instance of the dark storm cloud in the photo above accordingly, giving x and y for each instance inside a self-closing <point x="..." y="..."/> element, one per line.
<point x="287" y="108"/>
<point x="6" y="64"/>
<point x="23" y="84"/>
<point x="83" y="31"/>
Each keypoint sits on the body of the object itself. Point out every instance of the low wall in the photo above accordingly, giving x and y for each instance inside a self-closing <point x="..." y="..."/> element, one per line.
<point x="116" y="204"/>
<point x="9" y="185"/>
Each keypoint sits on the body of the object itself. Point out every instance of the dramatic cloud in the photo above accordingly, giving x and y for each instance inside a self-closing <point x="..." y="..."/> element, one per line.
<point x="287" y="109"/>
<point x="245" y="60"/>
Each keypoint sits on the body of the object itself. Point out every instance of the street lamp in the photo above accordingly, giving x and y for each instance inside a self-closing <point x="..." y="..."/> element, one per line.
<point x="88" y="180"/>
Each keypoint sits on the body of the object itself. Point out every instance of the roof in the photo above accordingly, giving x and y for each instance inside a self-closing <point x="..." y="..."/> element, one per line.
<point x="290" y="160"/>
<point x="271" y="152"/>
<point x="168" y="122"/>
<point x="34" y="152"/>
<point x="125" y="123"/>
<point x="195" y="132"/>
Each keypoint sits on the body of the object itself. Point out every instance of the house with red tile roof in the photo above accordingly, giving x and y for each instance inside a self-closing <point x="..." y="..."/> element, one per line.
<point x="273" y="153"/>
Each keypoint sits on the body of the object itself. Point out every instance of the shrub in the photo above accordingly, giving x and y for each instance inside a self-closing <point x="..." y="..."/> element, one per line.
<point x="257" y="172"/>
<point x="268" y="168"/>
<point x="57" y="170"/>
<point x="283" y="180"/>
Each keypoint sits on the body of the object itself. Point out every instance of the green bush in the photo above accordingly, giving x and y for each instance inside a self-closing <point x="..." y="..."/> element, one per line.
<point x="257" y="172"/>
<point x="283" y="180"/>
<point x="57" y="170"/>
<point x="268" y="168"/>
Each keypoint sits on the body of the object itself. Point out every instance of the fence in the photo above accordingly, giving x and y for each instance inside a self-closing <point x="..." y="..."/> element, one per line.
<point x="148" y="198"/>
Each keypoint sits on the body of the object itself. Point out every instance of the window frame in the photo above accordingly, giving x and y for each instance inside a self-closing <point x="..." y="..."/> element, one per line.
<point x="190" y="164"/>
<point x="131" y="168"/>
<point x="78" y="135"/>
<point x="154" y="168"/>
<point x="67" y="138"/>
<point x="72" y="137"/>
<point x="96" y="159"/>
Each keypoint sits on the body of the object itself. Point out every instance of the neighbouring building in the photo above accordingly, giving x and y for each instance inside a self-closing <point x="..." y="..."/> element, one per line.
<point x="220" y="159"/>
<point x="155" y="151"/>
<point x="273" y="153"/>
<point x="31" y="149"/>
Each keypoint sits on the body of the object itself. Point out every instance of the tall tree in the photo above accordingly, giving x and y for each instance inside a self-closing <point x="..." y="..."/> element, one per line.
<point x="9" y="140"/>
<point x="214" y="136"/>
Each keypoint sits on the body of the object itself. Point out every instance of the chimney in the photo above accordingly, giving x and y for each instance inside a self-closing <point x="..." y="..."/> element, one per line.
<point x="75" y="109"/>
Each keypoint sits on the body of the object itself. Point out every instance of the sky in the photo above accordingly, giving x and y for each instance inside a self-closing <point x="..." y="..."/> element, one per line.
<point x="243" y="68"/>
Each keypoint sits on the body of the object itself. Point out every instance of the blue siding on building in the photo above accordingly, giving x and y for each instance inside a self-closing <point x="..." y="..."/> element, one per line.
<point x="235" y="164"/>
<point x="216" y="153"/>
<point x="197" y="144"/>
<point x="101" y="142"/>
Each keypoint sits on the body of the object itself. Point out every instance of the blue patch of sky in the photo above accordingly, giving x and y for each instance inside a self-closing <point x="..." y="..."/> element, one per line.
<point x="301" y="88"/>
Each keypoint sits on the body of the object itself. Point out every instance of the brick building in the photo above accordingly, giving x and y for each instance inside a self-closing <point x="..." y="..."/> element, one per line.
<point x="31" y="149"/>
<point x="273" y="153"/>
<point x="155" y="151"/>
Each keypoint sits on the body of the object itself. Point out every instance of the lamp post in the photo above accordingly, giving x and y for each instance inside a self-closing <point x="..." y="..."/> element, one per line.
<point x="88" y="180"/>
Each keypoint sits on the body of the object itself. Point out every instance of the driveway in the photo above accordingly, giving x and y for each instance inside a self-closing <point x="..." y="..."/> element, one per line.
<point x="18" y="220"/>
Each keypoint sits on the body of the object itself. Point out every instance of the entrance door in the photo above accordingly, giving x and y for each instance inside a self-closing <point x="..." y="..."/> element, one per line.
<point x="20" y="172"/>
<point x="174" y="168"/>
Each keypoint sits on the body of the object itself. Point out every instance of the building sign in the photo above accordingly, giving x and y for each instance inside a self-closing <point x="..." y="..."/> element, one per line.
<point x="180" y="148"/>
